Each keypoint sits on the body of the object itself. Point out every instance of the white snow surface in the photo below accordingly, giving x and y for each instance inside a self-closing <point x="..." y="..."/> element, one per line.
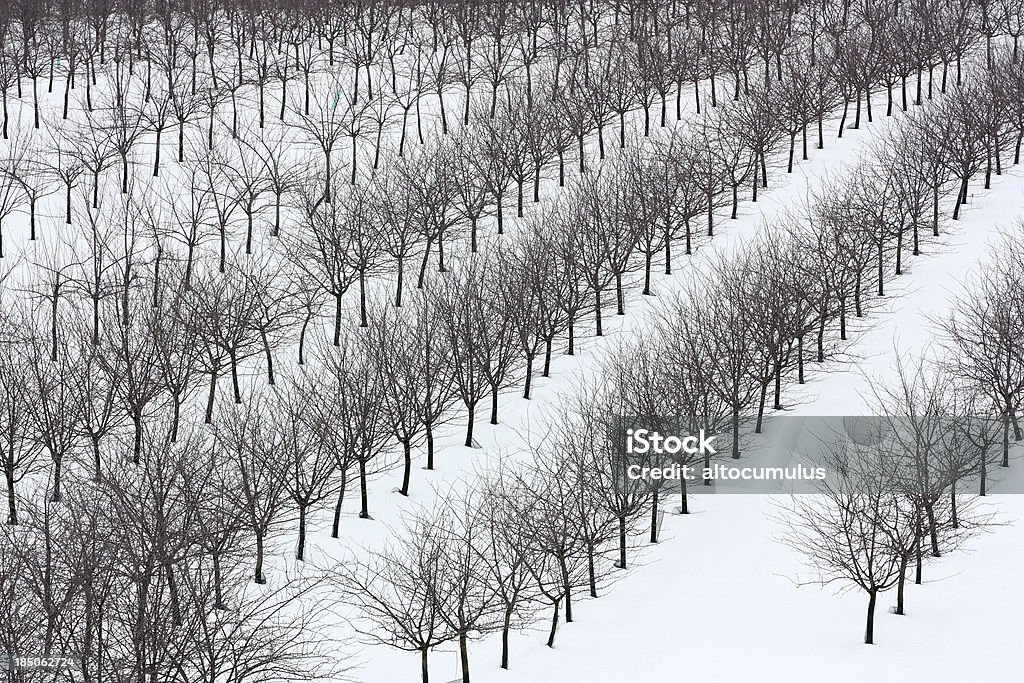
<point x="718" y="598"/>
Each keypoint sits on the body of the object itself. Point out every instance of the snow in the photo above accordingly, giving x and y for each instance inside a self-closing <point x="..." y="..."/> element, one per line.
<point x="718" y="598"/>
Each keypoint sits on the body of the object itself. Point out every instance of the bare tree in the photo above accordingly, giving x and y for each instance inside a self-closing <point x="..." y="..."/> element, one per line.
<point x="25" y="166"/>
<point x="130" y="360"/>
<point x="507" y="553"/>
<point x="397" y="208"/>
<point x="465" y="597"/>
<point x="396" y="590"/>
<point x="482" y="349"/>
<point x="98" y="394"/>
<point x="324" y="126"/>
<point x="323" y="250"/>
<point x="249" y="438"/>
<point x="983" y="338"/>
<point x="356" y="419"/>
<point x="11" y="197"/>
<point x="54" y="413"/>
<point x="20" y="450"/>
<point x="847" y="531"/>
<point x="310" y="470"/>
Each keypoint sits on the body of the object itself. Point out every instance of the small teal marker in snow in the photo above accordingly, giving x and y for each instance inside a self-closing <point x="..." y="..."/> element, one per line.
<point x="337" y="96"/>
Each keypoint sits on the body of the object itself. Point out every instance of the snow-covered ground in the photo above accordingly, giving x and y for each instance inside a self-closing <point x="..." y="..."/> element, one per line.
<point x="719" y="598"/>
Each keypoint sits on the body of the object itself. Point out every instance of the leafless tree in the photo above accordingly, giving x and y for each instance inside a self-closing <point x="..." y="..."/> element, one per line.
<point x="398" y="209"/>
<point x="324" y="125"/>
<point x="396" y="590"/>
<point x="983" y="339"/>
<point x="849" y="532"/>
<point x="98" y="394"/>
<point x="483" y="350"/>
<point x="20" y="450"/>
<point x="179" y="353"/>
<point x="323" y="250"/>
<point x="249" y="438"/>
<point x="26" y="168"/>
<point x="11" y="196"/>
<point x="310" y="469"/>
<point x="281" y="174"/>
<point x="129" y="358"/>
<point x="354" y="424"/>
<point x="507" y="554"/>
<point x="929" y="422"/>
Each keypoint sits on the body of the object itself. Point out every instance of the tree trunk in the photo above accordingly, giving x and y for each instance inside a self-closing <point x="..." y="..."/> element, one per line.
<point x="961" y="199"/>
<point x="983" y="471"/>
<point x="430" y="447"/>
<point x="591" y="570"/>
<point x="529" y="375"/>
<point x="1006" y="442"/>
<point x="137" y="440"/>
<point x="904" y="562"/>
<point x="12" y="510"/>
<point x="506" y="626"/>
<point x="622" y="542"/>
<point x="341" y="500"/>
<point x="156" y="157"/>
<point x="869" y="632"/>
<point x="647" y="273"/>
<point x="654" y="516"/>
<point x="233" y="358"/>
<point x="567" y="588"/>
<point x="464" y="655"/>
<point x="337" y="318"/>
<point x="620" y="299"/>
<point x="214" y="371"/>
<point x="932" y="530"/>
<point x="471" y="410"/>
<point x="301" y="546"/>
<point x="364" y="496"/>
<point x="258" y="574"/>
<point x="407" y="458"/>
<point x="269" y="355"/>
<point x="554" y="624"/>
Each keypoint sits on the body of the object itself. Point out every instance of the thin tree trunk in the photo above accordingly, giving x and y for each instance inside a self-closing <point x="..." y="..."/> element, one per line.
<point x="506" y="626"/>
<point x="258" y="574"/>
<point x="364" y="496"/>
<point x="336" y="524"/>
<point x="407" y="459"/>
<point x="301" y="547"/>
<point x="464" y="655"/>
<point x="622" y="542"/>
<point x="554" y="624"/>
<point x="869" y="632"/>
